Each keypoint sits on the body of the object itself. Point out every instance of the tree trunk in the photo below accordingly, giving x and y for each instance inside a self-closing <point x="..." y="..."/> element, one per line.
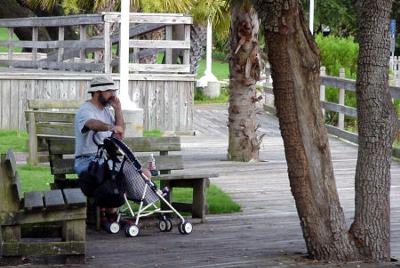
<point x="294" y="59"/>
<point x="376" y="129"/>
<point x="12" y="9"/>
<point x="198" y="40"/>
<point x="244" y="70"/>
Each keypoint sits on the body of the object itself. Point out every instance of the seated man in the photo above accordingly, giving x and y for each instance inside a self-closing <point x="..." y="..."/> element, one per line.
<point x="94" y="117"/>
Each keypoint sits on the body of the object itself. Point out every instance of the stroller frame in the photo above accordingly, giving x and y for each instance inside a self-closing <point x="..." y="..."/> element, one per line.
<point x="132" y="228"/>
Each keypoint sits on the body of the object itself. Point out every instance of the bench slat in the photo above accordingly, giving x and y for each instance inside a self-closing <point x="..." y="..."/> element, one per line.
<point x="33" y="201"/>
<point x="11" y="164"/>
<point x="53" y="116"/>
<point x="54" y="199"/>
<point x="185" y="176"/>
<point x="163" y="163"/>
<point x="54" y="129"/>
<point x="153" y="144"/>
<point x="74" y="197"/>
<point x="54" y="104"/>
<point x="17" y="187"/>
<point x="137" y="144"/>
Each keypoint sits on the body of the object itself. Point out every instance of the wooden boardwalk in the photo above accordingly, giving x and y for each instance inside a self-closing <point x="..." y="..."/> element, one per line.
<point x="265" y="234"/>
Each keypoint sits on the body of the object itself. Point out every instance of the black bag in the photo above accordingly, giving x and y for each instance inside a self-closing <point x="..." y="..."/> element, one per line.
<point x="92" y="178"/>
<point x="103" y="182"/>
<point x="110" y="193"/>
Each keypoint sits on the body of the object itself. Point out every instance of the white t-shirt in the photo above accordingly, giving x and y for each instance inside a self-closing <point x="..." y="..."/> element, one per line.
<point x="83" y="138"/>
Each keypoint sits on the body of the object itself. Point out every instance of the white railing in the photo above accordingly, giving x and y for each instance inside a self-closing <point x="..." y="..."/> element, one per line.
<point x="343" y="85"/>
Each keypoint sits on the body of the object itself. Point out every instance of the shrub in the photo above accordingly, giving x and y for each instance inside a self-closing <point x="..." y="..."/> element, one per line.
<point x="338" y="52"/>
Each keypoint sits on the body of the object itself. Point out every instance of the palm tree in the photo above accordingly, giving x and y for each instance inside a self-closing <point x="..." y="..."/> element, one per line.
<point x="244" y="68"/>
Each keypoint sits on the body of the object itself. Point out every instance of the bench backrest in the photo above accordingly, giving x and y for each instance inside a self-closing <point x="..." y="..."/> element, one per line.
<point x="48" y="118"/>
<point x="61" y="152"/>
<point x="52" y="117"/>
<point x="10" y="186"/>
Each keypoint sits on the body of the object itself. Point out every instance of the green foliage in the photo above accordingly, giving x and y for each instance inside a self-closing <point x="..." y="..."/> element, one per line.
<point x="14" y="139"/>
<point x="152" y="133"/>
<point x="4" y="36"/>
<point x="164" y="6"/>
<point x="339" y="15"/>
<point x="200" y="98"/>
<point x="338" y="52"/>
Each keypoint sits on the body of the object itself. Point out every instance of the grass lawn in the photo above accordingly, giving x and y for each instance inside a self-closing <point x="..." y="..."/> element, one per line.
<point x="39" y="178"/>
<point x="219" y="68"/>
<point x="4" y="36"/>
<point x="17" y="140"/>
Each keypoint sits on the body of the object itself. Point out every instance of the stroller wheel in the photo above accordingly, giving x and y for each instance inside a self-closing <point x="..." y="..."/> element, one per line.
<point x="185" y="228"/>
<point x="113" y="227"/>
<point x="169" y="225"/>
<point x="165" y="225"/>
<point x="132" y="230"/>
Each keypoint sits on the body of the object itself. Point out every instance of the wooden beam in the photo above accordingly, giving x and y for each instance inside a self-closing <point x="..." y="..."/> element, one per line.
<point x="10" y="47"/>
<point x="167" y="18"/>
<point x="186" y="52"/>
<point x="62" y="75"/>
<point x="87" y="44"/>
<point x="54" y="21"/>
<point x="159" y="44"/>
<point x="350" y="111"/>
<point x="168" y="51"/>
<point x="53" y="65"/>
<point x="342" y="133"/>
<point x="15" y="248"/>
<point x="60" y="52"/>
<point x="82" y="39"/>
<point x="162" y="68"/>
<point x="107" y="48"/>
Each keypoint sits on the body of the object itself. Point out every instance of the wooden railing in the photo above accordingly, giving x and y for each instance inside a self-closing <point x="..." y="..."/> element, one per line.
<point x="95" y="53"/>
<point x="343" y="85"/>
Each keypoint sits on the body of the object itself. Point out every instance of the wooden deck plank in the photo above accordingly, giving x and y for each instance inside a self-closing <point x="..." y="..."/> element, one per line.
<point x="266" y="233"/>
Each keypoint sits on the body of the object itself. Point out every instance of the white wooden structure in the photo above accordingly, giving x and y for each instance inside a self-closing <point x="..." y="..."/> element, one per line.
<point x="62" y="69"/>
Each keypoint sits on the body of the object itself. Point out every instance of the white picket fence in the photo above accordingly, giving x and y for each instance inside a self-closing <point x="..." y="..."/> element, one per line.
<point x="394" y="65"/>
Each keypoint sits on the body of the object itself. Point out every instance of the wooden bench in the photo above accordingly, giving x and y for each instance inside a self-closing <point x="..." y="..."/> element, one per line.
<point x="48" y="118"/>
<point x="171" y="168"/>
<point x="17" y="209"/>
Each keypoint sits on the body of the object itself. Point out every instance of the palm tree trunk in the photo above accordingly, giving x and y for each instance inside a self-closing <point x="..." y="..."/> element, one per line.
<point x="244" y="70"/>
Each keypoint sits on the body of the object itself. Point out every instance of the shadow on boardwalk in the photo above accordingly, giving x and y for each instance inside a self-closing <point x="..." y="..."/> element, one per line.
<point x="265" y="234"/>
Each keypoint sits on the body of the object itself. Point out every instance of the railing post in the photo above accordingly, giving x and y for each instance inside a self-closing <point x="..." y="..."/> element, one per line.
<point x="82" y="37"/>
<point x="186" y="52"/>
<point x="396" y="71"/>
<point x="341" y="100"/>
<point x="107" y="47"/>
<point x="168" y="51"/>
<point x="32" y="140"/>
<point x="35" y="38"/>
<point x="322" y="72"/>
<point x="60" y="53"/>
<point x="10" y="47"/>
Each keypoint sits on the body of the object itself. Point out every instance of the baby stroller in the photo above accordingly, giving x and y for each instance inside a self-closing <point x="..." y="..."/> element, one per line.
<point x="139" y="189"/>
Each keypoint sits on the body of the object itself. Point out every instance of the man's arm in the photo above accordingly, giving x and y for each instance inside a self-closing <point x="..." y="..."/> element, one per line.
<point x="97" y="125"/>
<point x="119" y="117"/>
